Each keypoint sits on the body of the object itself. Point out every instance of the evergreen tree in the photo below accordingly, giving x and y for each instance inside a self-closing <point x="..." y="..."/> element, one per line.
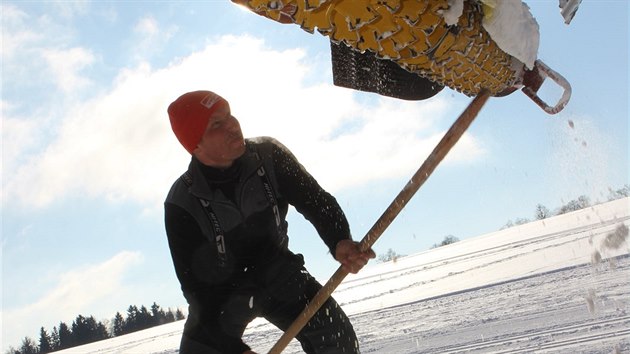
<point x="92" y="329"/>
<point x="54" y="339"/>
<point x="581" y="203"/>
<point x="87" y="330"/>
<point x="521" y="221"/>
<point x="97" y="330"/>
<point x="158" y="315"/>
<point x="131" y="323"/>
<point x="28" y="346"/>
<point x="169" y="316"/>
<point x="619" y="193"/>
<point x="65" y="336"/>
<point x="446" y="241"/>
<point x="12" y="350"/>
<point x="179" y="315"/>
<point x="391" y="255"/>
<point x="101" y="332"/>
<point x="119" y="325"/>
<point x="45" y="342"/>
<point x="155" y="310"/>
<point x="144" y="318"/>
<point x="507" y="225"/>
<point x="541" y="212"/>
<point x="80" y="330"/>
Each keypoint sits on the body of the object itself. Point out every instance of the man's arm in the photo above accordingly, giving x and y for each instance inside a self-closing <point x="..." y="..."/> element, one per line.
<point x="319" y="207"/>
<point x="302" y="191"/>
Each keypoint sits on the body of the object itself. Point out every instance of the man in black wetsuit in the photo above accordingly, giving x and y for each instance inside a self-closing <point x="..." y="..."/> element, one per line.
<point x="226" y="227"/>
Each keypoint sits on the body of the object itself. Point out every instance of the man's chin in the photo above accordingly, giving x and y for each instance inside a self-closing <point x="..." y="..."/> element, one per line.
<point x="240" y="150"/>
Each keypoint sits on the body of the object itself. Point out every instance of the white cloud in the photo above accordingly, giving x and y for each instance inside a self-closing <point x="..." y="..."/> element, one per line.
<point x="69" y="9"/>
<point x="66" y="65"/>
<point x="119" y="145"/>
<point x="150" y="37"/>
<point x="21" y="33"/>
<point x="16" y="137"/>
<point x="147" y="26"/>
<point x="393" y="140"/>
<point x="36" y="51"/>
<point x="15" y="34"/>
<point x="75" y="292"/>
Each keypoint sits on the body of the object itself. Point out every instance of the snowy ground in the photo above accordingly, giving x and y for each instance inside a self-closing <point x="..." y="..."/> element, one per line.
<point x="560" y="285"/>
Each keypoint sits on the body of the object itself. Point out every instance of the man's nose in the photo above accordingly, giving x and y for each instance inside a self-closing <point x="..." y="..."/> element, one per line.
<point x="234" y="124"/>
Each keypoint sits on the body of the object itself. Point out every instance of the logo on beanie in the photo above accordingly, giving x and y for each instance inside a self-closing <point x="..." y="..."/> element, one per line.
<point x="209" y="100"/>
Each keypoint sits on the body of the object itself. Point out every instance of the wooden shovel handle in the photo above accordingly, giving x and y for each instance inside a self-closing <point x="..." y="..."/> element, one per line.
<point x="433" y="160"/>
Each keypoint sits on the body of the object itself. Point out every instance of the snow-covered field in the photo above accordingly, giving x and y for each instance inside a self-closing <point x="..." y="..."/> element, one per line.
<point x="559" y="285"/>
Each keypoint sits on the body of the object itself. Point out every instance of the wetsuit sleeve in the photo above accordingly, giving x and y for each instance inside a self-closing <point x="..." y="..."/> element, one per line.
<point x="303" y="192"/>
<point x="192" y="260"/>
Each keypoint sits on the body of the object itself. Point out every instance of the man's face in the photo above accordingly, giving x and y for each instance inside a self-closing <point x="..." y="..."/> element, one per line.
<point x="222" y="141"/>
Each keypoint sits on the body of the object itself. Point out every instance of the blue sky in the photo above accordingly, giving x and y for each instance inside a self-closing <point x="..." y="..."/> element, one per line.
<point x="88" y="155"/>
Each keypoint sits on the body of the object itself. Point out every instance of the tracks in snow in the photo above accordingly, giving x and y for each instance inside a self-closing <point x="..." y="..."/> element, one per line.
<point x="554" y="338"/>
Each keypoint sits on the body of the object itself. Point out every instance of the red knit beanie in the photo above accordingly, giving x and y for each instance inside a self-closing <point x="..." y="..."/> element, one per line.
<point x="189" y="116"/>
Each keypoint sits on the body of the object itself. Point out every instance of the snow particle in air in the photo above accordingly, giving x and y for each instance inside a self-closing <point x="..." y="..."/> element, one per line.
<point x="571" y="124"/>
<point x="590" y="301"/>
<point x="596" y="258"/>
<point x="616" y="239"/>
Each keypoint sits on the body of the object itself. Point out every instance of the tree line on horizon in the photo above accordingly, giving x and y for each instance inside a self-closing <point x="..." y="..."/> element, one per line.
<point x="541" y="212"/>
<point x="582" y="202"/>
<point x="84" y="330"/>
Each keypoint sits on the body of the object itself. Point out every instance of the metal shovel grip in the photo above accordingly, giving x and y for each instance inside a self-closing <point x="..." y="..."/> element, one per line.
<point x="534" y="79"/>
<point x="417" y="180"/>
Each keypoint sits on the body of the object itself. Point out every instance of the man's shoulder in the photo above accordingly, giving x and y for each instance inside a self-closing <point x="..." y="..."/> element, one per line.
<point x="263" y="140"/>
<point x="264" y="145"/>
<point x="269" y="143"/>
<point x="179" y="188"/>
